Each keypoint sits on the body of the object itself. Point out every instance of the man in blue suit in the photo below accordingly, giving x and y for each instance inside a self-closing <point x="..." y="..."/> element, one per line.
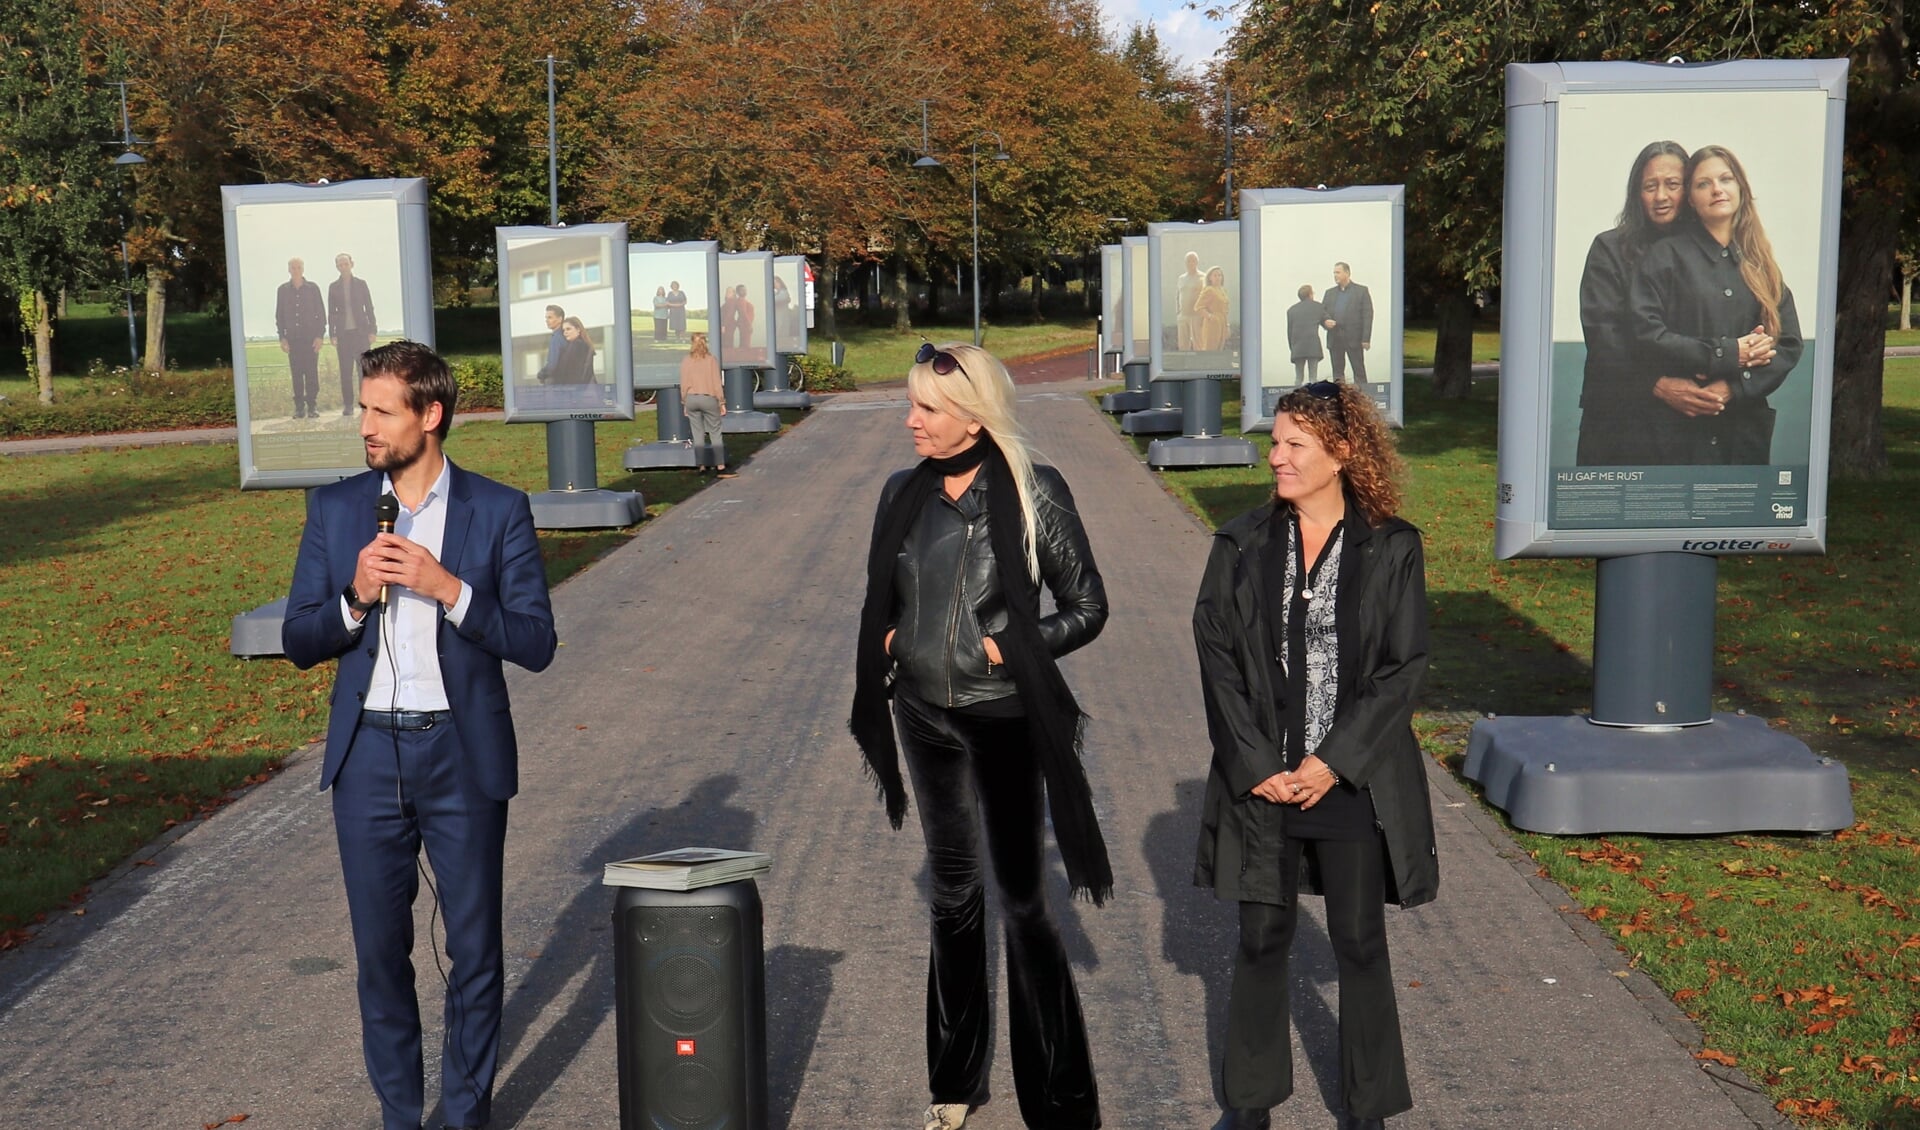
<point x="420" y="745"/>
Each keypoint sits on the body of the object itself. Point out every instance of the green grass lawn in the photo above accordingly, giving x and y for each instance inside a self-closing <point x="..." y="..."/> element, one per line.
<point x="1799" y="957"/>
<point x="121" y="711"/>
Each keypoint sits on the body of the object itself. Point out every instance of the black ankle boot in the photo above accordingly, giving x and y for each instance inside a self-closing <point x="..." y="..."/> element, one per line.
<point x="1248" y="1118"/>
<point x="1349" y="1122"/>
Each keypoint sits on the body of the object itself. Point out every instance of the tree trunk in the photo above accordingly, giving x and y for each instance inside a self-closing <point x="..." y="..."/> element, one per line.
<point x="902" y="317"/>
<point x="1453" y="345"/>
<point x="825" y="325"/>
<point x="1871" y="222"/>
<point x="1039" y="281"/>
<point x="155" y="358"/>
<point x="42" y="321"/>
<point x="1906" y="302"/>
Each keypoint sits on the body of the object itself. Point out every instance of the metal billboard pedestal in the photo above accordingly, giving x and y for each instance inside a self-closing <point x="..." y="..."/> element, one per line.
<point x="256" y="634"/>
<point x="1654" y="757"/>
<point x="573" y="499"/>
<point x="741" y="414"/>
<point x="674" y="449"/>
<point x="778" y="392"/>
<point x="1135" y="398"/>
<point x="1201" y="445"/>
<point x="1162" y="417"/>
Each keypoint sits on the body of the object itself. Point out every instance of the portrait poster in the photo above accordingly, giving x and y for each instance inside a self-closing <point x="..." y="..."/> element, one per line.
<point x="745" y="310"/>
<point x="565" y="323"/>
<point x="673" y="287"/>
<point x="316" y="276"/>
<point x="1195" y="300"/>
<point x="1113" y="296"/>
<point x="790" y="308"/>
<point x="1137" y="338"/>
<point x="1323" y="269"/>
<point x="1669" y="307"/>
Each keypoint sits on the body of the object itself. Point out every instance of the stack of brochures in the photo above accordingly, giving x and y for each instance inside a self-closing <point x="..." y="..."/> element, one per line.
<point x="686" y="869"/>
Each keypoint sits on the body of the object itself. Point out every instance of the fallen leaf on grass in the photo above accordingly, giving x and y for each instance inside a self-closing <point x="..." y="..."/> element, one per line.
<point x="1712" y="1056"/>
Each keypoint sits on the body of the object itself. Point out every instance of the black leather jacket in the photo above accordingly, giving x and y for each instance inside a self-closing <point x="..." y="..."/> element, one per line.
<point x="948" y="595"/>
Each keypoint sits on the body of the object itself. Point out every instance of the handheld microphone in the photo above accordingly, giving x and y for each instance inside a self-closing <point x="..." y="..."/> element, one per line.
<point x="385" y="513"/>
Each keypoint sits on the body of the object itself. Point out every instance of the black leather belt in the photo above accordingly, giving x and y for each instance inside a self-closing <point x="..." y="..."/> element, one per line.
<point x="405" y="719"/>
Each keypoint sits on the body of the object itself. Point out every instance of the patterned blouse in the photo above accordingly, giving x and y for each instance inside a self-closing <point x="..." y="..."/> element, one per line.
<point x="1304" y="624"/>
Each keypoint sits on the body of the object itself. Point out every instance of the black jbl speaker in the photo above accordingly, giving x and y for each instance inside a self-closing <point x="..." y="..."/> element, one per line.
<point x="690" y="987"/>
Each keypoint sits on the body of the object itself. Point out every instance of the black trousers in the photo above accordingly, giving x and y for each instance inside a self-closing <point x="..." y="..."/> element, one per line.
<point x="1346" y="352"/>
<point x="975" y="777"/>
<point x="1258" y="1072"/>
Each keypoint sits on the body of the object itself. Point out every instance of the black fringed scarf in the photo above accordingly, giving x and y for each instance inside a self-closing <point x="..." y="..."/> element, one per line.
<point x="1054" y="720"/>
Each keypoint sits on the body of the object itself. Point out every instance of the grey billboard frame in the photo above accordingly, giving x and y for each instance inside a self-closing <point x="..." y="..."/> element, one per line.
<point x="1253" y="203"/>
<point x="1156" y="233"/>
<point x="798" y="293"/>
<point x="711" y="249"/>
<point x="1526" y="336"/>
<point x="409" y="196"/>
<point x="1113" y="286"/>
<point x="1133" y="261"/>
<point x="619" y="345"/>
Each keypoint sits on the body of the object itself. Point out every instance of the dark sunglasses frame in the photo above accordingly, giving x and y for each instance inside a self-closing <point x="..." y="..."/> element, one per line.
<point x="943" y="362"/>
<point x="1326" y="392"/>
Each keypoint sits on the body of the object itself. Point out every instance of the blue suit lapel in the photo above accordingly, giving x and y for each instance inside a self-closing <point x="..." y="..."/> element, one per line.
<point x="459" y="517"/>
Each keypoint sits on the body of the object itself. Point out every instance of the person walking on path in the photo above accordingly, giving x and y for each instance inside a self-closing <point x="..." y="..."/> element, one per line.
<point x="703" y="397"/>
<point x="953" y="633"/>
<point x="420" y="747"/>
<point x="1311" y="626"/>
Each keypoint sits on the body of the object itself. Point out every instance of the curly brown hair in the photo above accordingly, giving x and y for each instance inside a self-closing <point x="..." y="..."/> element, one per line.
<point x="1352" y="430"/>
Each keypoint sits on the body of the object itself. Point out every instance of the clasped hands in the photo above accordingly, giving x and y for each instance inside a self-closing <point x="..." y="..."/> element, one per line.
<point x="1697" y="397"/>
<point x="1303" y="786"/>
<point x="390" y="559"/>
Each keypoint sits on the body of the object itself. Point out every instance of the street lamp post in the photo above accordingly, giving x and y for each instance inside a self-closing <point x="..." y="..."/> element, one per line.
<point x="127" y="160"/>
<point x="928" y="161"/>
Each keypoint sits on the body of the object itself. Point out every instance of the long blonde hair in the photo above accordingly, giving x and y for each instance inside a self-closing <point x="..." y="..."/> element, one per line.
<point x="981" y="390"/>
<point x="1751" y="247"/>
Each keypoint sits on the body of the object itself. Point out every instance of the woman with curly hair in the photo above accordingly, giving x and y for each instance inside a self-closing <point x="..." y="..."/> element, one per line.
<point x="1311" y="626"/>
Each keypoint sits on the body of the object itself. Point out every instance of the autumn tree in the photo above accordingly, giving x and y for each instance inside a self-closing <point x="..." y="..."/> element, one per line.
<point x="54" y="203"/>
<point x="1410" y="92"/>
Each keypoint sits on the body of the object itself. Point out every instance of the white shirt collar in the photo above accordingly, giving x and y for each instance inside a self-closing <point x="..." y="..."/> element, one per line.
<point x="441" y="484"/>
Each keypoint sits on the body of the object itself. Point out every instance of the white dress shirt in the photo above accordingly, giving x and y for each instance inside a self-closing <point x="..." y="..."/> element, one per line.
<point x="406" y="672"/>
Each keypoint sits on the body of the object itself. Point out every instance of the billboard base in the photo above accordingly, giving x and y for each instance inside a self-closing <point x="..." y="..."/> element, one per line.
<point x="256" y="634"/>
<point x="739" y="420"/>
<point x="768" y="399"/>
<point x="1567" y="776"/>
<point x="667" y="455"/>
<point x="1152" y="422"/>
<point x="1118" y="402"/>
<point x="586" y="509"/>
<point x="1201" y="451"/>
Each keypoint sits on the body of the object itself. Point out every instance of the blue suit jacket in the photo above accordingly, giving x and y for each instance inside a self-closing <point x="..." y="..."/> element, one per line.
<point x="490" y="545"/>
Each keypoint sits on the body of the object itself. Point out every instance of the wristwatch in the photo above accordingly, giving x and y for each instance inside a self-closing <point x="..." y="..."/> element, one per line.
<point x="354" y="602"/>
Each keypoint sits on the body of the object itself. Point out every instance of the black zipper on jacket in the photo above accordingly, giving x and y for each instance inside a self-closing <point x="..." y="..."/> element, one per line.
<point x="953" y="618"/>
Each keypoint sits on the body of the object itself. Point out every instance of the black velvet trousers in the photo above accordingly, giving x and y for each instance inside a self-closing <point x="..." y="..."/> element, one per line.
<point x="1258" y="1072"/>
<point x="976" y="778"/>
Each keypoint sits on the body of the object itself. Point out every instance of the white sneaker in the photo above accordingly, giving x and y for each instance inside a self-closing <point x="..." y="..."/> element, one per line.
<point x="947" y="1116"/>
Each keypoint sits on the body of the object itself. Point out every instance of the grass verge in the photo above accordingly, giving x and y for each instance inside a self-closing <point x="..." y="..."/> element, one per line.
<point x="1798" y="957"/>
<point x="121" y="711"/>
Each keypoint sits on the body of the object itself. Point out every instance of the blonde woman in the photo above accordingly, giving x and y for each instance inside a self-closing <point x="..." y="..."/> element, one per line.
<point x="703" y="398"/>
<point x="952" y="632"/>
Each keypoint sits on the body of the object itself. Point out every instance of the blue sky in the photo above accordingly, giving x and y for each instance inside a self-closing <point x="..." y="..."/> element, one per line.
<point x="1186" y="34"/>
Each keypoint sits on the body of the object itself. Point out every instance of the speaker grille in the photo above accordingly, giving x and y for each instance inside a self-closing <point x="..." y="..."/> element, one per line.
<point x="686" y="982"/>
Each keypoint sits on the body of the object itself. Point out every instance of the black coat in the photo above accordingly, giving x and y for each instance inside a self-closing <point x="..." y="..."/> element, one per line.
<point x="1381" y="617"/>
<point x="1303" y="329"/>
<point x="948" y="597"/>
<point x="1352" y="312"/>
<point x="1690" y="307"/>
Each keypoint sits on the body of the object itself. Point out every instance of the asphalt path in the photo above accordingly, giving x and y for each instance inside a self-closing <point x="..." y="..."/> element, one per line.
<point x="700" y="697"/>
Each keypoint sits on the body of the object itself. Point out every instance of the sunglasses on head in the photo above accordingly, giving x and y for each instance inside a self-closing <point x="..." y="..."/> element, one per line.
<point x="1322" y="390"/>
<point x="943" y="362"/>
